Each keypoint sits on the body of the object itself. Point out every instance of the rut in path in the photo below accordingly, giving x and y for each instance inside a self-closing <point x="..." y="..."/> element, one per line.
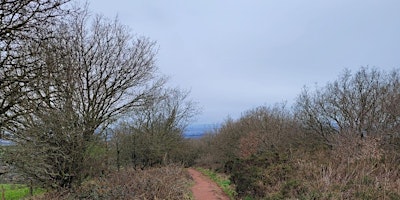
<point x="204" y="188"/>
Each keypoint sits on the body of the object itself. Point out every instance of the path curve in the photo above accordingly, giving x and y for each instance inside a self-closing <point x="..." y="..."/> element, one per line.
<point x="204" y="188"/>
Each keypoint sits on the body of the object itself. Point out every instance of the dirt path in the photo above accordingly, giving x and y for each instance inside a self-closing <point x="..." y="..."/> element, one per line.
<point x="204" y="188"/>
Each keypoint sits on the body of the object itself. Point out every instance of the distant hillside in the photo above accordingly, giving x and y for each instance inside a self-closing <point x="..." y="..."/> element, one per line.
<point x="198" y="130"/>
<point x="5" y="142"/>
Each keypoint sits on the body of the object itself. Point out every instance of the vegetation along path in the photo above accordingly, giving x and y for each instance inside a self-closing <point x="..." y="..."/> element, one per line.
<point x="204" y="188"/>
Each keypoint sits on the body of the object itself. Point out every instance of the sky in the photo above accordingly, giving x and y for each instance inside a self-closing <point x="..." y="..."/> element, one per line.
<point x="235" y="55"/>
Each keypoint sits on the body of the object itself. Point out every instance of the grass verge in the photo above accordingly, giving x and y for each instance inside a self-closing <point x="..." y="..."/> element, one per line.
<point x="17" y="191"/>
<point x="222" y="181"/>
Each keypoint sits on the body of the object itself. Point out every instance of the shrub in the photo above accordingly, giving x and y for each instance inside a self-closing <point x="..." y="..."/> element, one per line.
<point x="261" y="174"/>
<point x="170" y="182"/>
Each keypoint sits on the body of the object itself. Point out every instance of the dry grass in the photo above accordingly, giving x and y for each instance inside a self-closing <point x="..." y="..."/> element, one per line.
<point x="170" y="182"/>
<point x="354" y="169"/>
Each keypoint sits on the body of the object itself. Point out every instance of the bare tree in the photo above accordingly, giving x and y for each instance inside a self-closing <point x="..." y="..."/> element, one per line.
<point x="309" y="110"/>
<point x="21" y="22"/>
<point x="22" y="19"/>
<point x="98" y="71"/>
<point x="90" y="74"/>
<point x="171" y="112"/>
<point x="358" y="103"/>
<point x="154" y="133"/>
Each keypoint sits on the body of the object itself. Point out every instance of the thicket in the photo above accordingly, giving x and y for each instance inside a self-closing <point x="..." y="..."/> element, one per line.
<point x="338" y="142"/>
<point x="168" y="182"/>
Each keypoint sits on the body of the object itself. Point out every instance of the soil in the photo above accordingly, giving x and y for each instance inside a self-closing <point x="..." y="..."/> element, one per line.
<point x="204" y="188"/>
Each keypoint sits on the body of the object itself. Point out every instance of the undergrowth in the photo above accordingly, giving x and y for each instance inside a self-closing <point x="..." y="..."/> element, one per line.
<point x="170" y="182"/>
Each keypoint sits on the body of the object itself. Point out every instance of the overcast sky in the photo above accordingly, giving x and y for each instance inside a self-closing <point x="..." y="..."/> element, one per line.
<point x="236" y="55"/>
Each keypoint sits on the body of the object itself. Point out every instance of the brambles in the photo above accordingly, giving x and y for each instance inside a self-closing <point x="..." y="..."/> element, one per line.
<point x="169" y="182"/>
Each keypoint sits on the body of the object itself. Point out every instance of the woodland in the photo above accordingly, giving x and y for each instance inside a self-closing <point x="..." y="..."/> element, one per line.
<point x="89" y="116"/>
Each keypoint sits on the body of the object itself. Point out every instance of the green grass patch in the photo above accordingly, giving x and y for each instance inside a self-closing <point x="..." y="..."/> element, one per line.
<point x="17" y="191"/>
<point x="222" y="181"/>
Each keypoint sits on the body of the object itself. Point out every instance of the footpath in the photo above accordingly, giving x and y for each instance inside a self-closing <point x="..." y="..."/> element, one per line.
<point x="204" y="188"/>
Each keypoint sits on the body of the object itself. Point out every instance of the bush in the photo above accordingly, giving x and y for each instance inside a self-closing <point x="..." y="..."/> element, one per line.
<point x="262" y="174"/>
<point x="170" y="182"/>
<point x="353" y="169"/>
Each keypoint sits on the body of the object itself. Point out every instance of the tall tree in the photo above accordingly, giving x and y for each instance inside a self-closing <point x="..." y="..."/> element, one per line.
<point x="90" y="74"/>
<point x="98" y="71"/>
<point x="21" y="22"/>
